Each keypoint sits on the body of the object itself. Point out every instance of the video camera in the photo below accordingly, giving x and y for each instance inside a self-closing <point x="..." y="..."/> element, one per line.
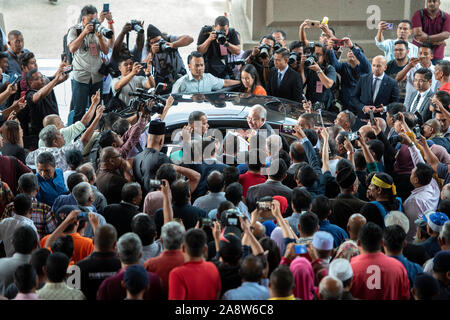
<point x="143" y="97"/>
<point x="107" y="33"/>
<point x="232" y="218"/>
<point x="136" y="27"/>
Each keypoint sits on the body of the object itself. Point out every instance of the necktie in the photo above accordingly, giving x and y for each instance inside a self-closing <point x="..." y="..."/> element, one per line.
<point x="374" y="88"/>
<point x="280" y="75"/>
<point x="414" y="107"/>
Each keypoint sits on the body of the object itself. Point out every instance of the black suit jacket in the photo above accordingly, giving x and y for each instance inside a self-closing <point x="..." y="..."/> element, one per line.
<point x="291" y="86"/>
<point x="363" y="95"/>
<point x="424" y="108"/>
<point x="269" y="188"/>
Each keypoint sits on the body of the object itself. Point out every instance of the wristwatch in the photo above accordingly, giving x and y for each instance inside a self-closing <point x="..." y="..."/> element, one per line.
<point x="320" y="71"/>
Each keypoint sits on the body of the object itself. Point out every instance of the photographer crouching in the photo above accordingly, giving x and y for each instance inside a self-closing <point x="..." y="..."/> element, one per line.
<point x="161" y="54"/>
<point x="85" y="41"/>
<point x="216" y="43"/>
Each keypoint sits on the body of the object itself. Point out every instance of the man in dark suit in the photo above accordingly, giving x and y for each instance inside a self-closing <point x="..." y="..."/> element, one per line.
<point x="272" y="187"/>
<point x="374" y="91"/>
<point x="121" y="214"/>
<point x="298" y="155"/>
<point x="421" y="100"/>
<point x="284" y="82"/>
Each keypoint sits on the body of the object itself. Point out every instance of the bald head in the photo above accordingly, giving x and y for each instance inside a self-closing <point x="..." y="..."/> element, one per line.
<point x="330" y="288"/>
<point x="53" y="119"/>
<point x="445" y="193"/>
<point x="378" y="65"/>
<point x="355" y="222"/>
<point x="105" y="238"/>
<point x="215" y="181"/>
<point x="260" y="230"/>
<point x="367" y="132"/>
<point x="382" y="124"/>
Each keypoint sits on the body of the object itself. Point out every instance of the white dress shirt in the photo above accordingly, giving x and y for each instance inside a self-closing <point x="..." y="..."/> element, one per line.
<point x="422" y="98"/>
<point x="410" y="90"/>
<point x="7" y="228"/>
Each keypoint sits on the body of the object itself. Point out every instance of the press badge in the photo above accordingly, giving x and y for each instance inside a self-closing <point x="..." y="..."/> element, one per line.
<point x="223" y="50"/>
<point x="93" y="49"/>
<point x="319" y="87"/>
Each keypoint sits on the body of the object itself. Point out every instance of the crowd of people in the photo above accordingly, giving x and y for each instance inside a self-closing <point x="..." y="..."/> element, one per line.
<point x="98" y="210"/>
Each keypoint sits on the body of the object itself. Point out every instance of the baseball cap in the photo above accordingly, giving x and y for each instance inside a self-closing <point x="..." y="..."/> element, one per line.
<point x="441" y="261"/>
<point x="136" y="278"/>
<point x="341" y="269"/>
<point x="230" y="245"/>
<point x="283" y="203"/>
<point x="323" y="240"/>
<point x="435" y="220"/>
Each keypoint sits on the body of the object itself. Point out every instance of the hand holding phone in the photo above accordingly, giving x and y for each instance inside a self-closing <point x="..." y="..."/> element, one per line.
<point x="106" y="7"/>
<point x="372" y="118"/>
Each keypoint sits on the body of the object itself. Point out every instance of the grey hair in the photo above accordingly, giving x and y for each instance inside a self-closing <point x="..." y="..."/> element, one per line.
<point x="129" y="248"/>
<point x="82" y="192"/>
<point x="48" y="135"/>
<point x="397" y="217"/>
<point x="331" y="295"/>
<point x="88" y="170"/>
<point x="260" y="110"/>
<point x="46" y="158"/>
<point x="274" y="144"/>
<point x="445" y="233"/>
<point x="172" y="235"/>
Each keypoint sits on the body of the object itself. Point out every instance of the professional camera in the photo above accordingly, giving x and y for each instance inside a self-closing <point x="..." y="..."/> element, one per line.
<point x="310" y="59"/>
<point x="232" y="218"/>
<point x="277" y="46"/>
<point x="136" y="27"/>
<point x="234" y="63"/>
<point x="107" y="68"/>
<point x="264" y="50"/>
<point x="294" y="57"/>
<point x="153" y="102"/>
<point x="221" y="37"/>
<point x="163" y="47"/>
<point x="107" y="33"/>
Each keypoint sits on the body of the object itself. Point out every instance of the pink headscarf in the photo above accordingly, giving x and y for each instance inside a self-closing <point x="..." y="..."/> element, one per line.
<point x="441" y="153"/>
<point x="303" y="277"/>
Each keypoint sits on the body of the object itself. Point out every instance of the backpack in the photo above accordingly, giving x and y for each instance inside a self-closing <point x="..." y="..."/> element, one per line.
<point x="383" y="210"/>
<point x="94" y="155"/>
<point x="66" y="52"/>
<point x="422" y="18"/>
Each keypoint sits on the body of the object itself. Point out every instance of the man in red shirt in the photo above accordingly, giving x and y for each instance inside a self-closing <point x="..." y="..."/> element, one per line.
<point x="253" y="176"/>
<point x="196" y="279"/>
<point x="431" y="25"/>
<point x="377" y="276"/>
<point x="171" y="239"/>
<point x="442" y="74"/>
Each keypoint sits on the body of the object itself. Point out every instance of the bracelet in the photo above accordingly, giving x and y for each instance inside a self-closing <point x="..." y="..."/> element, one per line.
<point x="111" y="22"/>
<point x="320" y="71"/>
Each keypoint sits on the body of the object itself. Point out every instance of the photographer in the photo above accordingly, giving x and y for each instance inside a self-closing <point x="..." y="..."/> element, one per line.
<point x="129" y="81"/>
<point x="326" y="34"/>
<point x="85" y="43"/>
<point x="162" y="55"/>
<point x="215" y="43"/>
<point x="319" y="76"/>
<point x="261" y="57"/>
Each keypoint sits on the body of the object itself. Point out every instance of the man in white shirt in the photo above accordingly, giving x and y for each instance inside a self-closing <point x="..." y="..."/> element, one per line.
<point x="404" y="29"/>
<point x="22" y="217"/>
<point x="425" y="195"/>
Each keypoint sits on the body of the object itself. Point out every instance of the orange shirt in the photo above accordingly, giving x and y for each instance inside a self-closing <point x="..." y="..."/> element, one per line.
<point x="82" y="246"/>
<point x="260" y="91"/>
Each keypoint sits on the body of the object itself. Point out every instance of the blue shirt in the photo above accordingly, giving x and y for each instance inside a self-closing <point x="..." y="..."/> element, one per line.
<point x="337" y="232"/>
<point x="247" y="291"/>
<point x="431" y="245"/>
<point x="5" y="78"/>
<point x="387" y="46"/>
<point x="349" y="75"/>
<point x="411" y="268"/>
<point x="64" y="200"/>
<point x="188" y="84"/>
<point x="50" y="189"/>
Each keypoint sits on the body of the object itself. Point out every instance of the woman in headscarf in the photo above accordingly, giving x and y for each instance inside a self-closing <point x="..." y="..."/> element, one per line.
<point x="303" y="278"/>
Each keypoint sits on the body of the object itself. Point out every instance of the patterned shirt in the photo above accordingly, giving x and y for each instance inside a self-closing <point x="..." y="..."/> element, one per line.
<point x="42" y="215"/>
<point x="58" y="153"/>
<point x="347" y="250"/>
<point x="59" y="291"/>
<point x="6" y="196"/>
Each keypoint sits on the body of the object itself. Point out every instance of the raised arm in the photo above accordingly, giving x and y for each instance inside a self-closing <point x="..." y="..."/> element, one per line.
<point x="167" y="206"/>
<point x="71" y="218"/>
<point x="192" y="176"/>
<point x="87" y="135"/>
<point x="325" y="154"/>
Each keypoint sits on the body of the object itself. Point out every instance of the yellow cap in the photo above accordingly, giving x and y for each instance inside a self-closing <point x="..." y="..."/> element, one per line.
<point x="325" y="20"/>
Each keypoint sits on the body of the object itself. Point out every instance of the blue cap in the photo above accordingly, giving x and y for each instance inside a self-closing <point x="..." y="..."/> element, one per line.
<point x="136" y="279"/>
<point x="435" y="220"/>
<point x="441" y="261"/>
<point x="323" y="240"/>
